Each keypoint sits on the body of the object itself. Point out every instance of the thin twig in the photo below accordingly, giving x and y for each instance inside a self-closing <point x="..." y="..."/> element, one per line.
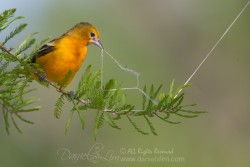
<point x="6" y="50"/>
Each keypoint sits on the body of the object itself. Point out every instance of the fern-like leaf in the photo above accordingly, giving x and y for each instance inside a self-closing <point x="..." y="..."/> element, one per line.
<point x="136" y="127"/>
<point x="110" y="121"/>
<point x="13" y="33"/>
<point x="150" y="125"/>
<point x="98" y="122"/>
<point x="58" y="106"/>
<point x="26" y="44"/>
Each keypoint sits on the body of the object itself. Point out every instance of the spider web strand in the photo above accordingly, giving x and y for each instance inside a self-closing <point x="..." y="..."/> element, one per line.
<point x="133" y="72"/>
<point x="215" y="45"/>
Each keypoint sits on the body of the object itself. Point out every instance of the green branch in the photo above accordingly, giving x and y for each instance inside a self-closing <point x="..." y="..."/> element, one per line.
<point x="108" y="99"/>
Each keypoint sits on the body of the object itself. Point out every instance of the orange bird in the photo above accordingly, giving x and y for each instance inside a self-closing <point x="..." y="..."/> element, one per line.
<point x="66" y="53"/>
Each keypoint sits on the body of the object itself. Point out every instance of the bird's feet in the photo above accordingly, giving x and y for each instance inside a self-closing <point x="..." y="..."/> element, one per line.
<point x="42" y="76"/>
<point x="72" y="95"/>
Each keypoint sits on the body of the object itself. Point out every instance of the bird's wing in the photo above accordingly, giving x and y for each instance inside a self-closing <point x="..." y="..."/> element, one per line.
<point x="45" y="49"/>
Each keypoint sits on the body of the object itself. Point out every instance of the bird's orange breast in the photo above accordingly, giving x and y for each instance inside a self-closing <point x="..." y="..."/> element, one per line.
<point x="68" y="55"/>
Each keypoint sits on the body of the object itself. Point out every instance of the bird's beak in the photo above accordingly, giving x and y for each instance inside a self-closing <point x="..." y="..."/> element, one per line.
<point x="97" y="43"/>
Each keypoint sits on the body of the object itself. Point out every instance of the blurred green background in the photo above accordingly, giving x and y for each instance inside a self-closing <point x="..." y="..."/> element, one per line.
<point x="163" y="40"/>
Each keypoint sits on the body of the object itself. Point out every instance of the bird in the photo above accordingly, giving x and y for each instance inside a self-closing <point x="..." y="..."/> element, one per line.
<point x="65" y="55"/>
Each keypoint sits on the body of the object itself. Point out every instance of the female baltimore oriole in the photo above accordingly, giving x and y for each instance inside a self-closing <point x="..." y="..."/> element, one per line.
<point x="66" y="53"/>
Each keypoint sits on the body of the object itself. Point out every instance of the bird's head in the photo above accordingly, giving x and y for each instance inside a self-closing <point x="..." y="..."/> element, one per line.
<point x="86" y="32"/>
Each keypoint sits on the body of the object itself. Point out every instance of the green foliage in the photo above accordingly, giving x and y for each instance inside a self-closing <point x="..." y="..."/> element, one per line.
<point x="99" y="119"/>
<point x="13" y="83"/>
<point x="58" y="106"/>
<point x="108" y="99"/>
<point x="13" y="33"/>
<point x="136" y="127"/>
<point x="7" y="17"/>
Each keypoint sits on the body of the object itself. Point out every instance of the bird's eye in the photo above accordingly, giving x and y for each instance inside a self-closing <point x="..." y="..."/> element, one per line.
<point x="92" y="34"/>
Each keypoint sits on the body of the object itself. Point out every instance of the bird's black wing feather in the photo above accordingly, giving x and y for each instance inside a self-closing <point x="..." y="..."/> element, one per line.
<point x="45" y="49"/>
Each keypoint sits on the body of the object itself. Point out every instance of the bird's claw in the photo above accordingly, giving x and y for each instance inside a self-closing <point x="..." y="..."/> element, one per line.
<point x="72" y="95"/>
<point x="42" y="76"/>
